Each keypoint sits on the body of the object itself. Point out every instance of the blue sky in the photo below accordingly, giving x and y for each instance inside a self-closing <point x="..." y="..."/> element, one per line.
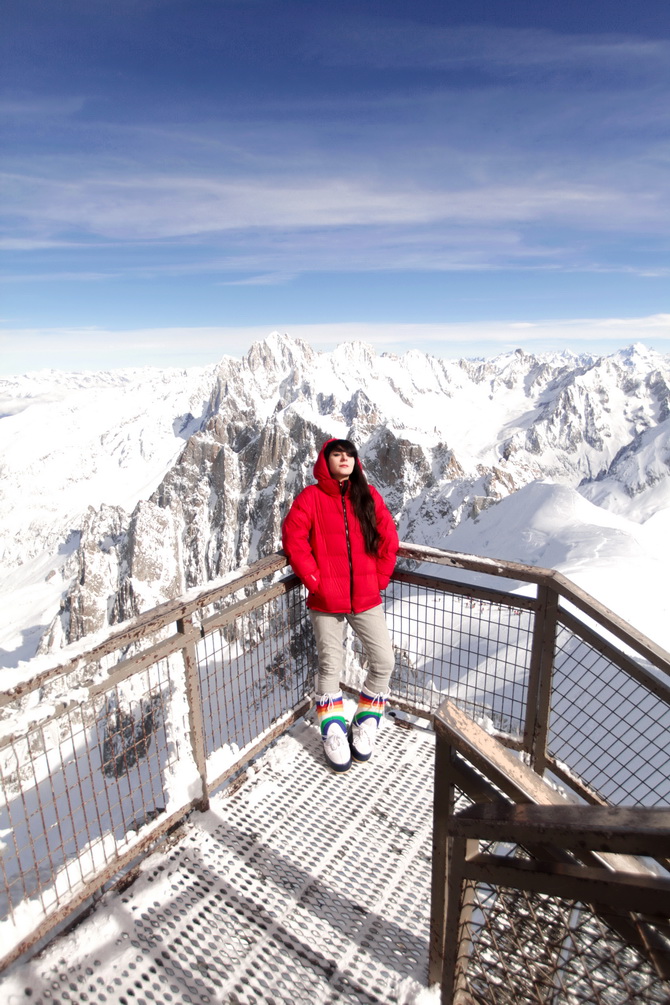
<point x="180" y="178"/>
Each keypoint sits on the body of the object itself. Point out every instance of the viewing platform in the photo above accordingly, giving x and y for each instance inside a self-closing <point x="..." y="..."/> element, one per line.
<point x="509" y="842"/>
<point x="299" y="886"/>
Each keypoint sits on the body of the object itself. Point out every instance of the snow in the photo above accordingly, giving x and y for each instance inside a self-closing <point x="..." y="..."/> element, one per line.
<point x="282" y="835"/>
<point x="609" y="556"/>
<point x="469" y="434"/>
<point x="31" y="590"/>
<point x="69" y="442"/>
<point x="79" y="447"/>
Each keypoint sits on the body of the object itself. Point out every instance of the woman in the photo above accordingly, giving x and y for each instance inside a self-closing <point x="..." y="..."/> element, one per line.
<point x="342" y="542"/>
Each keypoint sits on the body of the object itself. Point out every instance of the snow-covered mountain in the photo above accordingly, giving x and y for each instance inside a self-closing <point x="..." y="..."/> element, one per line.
<point x="120" y="490"/>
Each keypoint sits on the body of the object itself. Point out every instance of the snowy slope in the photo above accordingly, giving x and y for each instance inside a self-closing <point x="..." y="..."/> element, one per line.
<point x="620" y="562"/>
<point x="69" y="442"/>
<point x="636" y="483"/>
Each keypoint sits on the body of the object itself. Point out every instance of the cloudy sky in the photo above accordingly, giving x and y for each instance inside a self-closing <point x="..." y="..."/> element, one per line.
<point x="182" y="176"/>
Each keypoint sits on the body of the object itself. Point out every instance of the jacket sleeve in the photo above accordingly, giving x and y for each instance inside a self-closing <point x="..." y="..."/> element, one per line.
<point x="388" y="546"/>
<point x="296" y="532"/>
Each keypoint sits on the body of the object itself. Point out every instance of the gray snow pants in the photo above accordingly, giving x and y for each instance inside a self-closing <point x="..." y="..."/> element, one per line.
<point x="370" y="627"/>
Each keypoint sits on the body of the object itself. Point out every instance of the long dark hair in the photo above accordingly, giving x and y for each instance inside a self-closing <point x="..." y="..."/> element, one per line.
<point x="362" y="502"/>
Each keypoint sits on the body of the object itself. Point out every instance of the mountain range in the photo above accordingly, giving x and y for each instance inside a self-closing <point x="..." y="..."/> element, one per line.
<point x="122" y="489"/>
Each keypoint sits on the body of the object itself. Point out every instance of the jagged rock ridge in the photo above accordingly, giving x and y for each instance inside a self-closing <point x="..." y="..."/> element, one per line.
<point x="442" y="440"/>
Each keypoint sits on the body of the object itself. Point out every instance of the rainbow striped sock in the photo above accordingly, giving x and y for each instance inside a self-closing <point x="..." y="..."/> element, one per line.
<point x="330" y="710"/>
<point x="370" y="706"/>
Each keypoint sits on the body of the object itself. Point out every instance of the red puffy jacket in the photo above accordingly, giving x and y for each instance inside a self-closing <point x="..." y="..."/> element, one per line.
<point x="326" y="548"/>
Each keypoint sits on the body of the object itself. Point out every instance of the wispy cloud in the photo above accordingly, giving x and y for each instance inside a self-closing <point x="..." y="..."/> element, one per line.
<point x="267" y="279"/>
<point x="159" y="207"/>
<point x="40" y="107"/>
<point x="58" y="277"/>
<point x="278" y="258"/>
<point x="408" y="43"/>
<point x="505" y="178"/>
<point x="430" y="148"/>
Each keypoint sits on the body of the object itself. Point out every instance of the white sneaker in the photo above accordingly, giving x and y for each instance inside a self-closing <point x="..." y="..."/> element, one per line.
<point x="362" y="739"/>
<point x="336" y="748"/>
<point x="365" y="723"/>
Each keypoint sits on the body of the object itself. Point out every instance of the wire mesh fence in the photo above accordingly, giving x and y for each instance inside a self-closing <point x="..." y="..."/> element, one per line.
<point x="474" y="646"/>
<point x="522" y="948"/>
<point x="529" y="924"/>
<point x="606" y="727"/>
<point x="253" y="670"/>
<point x="99" y="760"/>
<point x="77" y="787"/>
<point x="103" y="759"/>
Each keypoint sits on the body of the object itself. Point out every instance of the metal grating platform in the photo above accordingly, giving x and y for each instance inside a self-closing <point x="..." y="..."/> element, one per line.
<point x="302" y="886"/>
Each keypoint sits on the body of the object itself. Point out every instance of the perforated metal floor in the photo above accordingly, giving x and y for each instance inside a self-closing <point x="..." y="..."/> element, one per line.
<point x="303" y="886"/>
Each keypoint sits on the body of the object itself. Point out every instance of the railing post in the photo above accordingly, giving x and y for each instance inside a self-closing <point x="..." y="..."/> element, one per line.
<point x="194" y="698"/>
<point x="443" y="806"/>
<point x="452" y="900"/>
<point x="461" y="896"/>
<point x="540" y="677"/>
<point x="448" y="950"/>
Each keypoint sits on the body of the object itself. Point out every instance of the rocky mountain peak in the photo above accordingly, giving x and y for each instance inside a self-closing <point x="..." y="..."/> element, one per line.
<point x="639" y="355"/>
<point x="217" y="457"/>
<point x="279" y="353"/>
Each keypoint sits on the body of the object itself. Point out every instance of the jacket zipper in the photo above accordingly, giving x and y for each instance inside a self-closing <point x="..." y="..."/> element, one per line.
<point x="343" y="490"/>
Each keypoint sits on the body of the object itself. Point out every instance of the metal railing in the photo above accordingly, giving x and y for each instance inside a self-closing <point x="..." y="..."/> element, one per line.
<point x="536" y="898"/>
<point x="102" y="755"/>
